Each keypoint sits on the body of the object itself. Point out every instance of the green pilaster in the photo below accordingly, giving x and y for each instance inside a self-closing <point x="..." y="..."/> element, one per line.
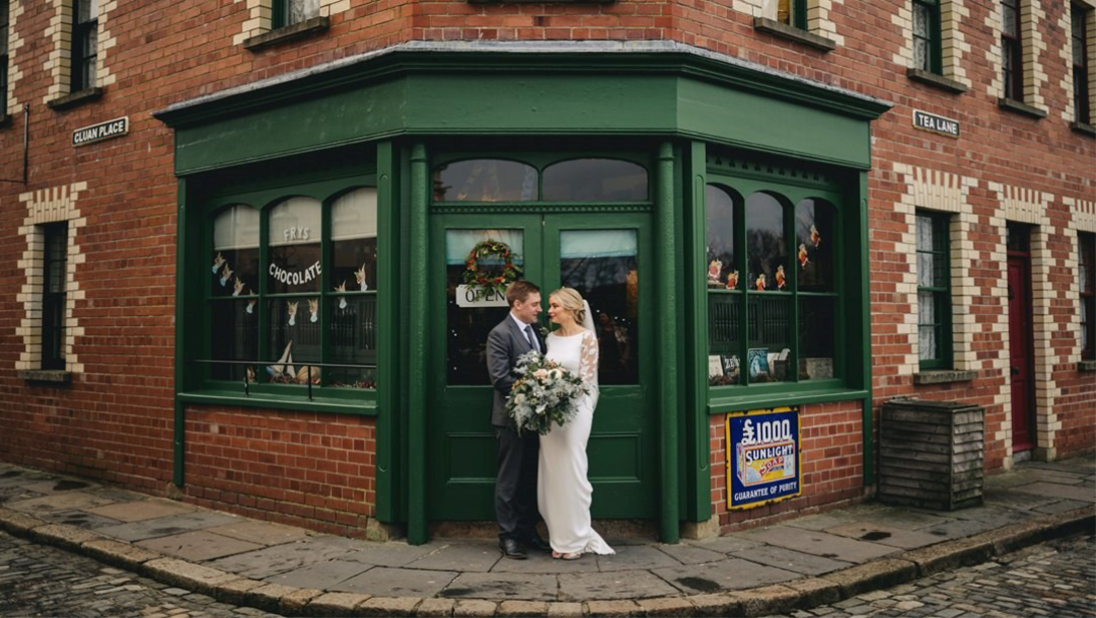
<point x="181" y="244"/>
<point x="666" y="293"/>
<point x="698" y="452"/>
<point x="418" y="346"/>
<point x="860" y="254"/>
<point x="387" y="347"/>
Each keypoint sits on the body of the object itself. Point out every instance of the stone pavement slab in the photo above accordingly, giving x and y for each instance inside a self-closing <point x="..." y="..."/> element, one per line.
<point x="384" y="581"/>
<point x="959" y="528"/>
<point x="460" y="556"/>
<point x="503" y="586"/>
<point x="612" y="586"/>
<point x="389" y="554"/>
<point x="819" y="543"/>
<point x="167" y="526"/>
<point x="731" y="574"/>
<point x="885" y="535"/>
<point x="321" y="575"/>
<point x="65" y="501"/>
<point x="687" y="553"/>
<point x="725" y="544"/>
<point x="1057" y="490"/>
<point x="263" y="563"/>
<point x="16" y="493"/>
<point x="791" y="560"/>
<point x="139" y="510"/>
<point x="198" y="546"/>
<point x="629" y="558"/>
<point x="1012" y="499"/>
<point x="542" y="562"/>
<point x="80" y="519"/>
<point x="1060" y="507"/>
<point x="995" y="516"/>
<point x="260" y="533"/>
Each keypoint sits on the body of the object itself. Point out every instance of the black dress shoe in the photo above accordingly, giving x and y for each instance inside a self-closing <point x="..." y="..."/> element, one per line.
<point x="537" y="543"/>
<point x="511" y="549"/>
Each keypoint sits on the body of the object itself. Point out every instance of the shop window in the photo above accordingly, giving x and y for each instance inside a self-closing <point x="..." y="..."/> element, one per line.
<point x="1012" y="52"/>
<point x="1087" y="285"/>
<point x="933" y="291"/>
<point x="1081" y="79"/>
<point x="595" y="180"/>
<point x="926" y="36"/>
<point x="792" y="13"/>
<point x="84" y="48"/>
<point x="772" y="295"/>
<point x="290" y="12"/>
<point x="53" y="295"/>
<point x="298" y="303"/>
<point x="485" y="180"/>
<point x="576" y="180"/>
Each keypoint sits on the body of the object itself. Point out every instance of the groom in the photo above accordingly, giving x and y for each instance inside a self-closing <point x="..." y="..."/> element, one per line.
<point x="516" y="483"/>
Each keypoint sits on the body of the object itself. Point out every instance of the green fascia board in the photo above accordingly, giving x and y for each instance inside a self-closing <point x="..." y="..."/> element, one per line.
<point x="665" y="94"/>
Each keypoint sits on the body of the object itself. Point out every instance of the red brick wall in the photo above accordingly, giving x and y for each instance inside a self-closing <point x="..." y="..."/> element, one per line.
<point x="831" y="460"/>
<point x="317" y="471"/>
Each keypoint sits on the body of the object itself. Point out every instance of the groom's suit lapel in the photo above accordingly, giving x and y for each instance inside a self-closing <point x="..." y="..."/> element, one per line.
<point x="522" y="339"/>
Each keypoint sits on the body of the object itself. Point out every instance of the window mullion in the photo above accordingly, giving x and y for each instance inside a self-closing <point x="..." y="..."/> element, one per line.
<point x="790" y="240"/>
<point x="326" y="259"/>
<point x="744" y="301"/>
<point x="264" y="304"/>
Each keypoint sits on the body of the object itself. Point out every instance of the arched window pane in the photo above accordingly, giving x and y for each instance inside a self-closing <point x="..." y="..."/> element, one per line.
<point x="815" y="224"/>
<point x="721" y="261"/>
<point x="765" y="246"/>
<point x="485" y="180"/>
<point x="294" y="246"/>
<point x="595" y="180"/>
<point x="235" y="260"/>
<point x="354" y="241"/>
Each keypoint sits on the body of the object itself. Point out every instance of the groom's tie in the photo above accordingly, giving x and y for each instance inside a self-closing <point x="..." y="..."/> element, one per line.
<point x="532" y="338"/>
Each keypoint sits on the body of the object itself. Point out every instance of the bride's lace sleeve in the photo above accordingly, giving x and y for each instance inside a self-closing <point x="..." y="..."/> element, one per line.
<point x="588" y="360"/>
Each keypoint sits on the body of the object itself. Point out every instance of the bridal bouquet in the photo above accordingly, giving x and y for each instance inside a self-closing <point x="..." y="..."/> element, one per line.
<point x="545" y="393"/>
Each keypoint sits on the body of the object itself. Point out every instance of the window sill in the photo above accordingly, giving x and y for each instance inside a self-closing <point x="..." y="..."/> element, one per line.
<point x="943" y="376"/>
<point x="792" y="33"/>
<point x="300" y="403"/>
<point x="1021" y="108"/>
<point x="58" y="377"/>
<point x="1083" y="128"/>
<point x="76" y="98"/>
<point x="1086" y="365"/>
<point x="776" y="398"/>
<point x="936" y="81"/>
<point x="302" y="30"/>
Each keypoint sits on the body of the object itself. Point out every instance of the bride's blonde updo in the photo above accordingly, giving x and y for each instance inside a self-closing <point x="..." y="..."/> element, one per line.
<point x="571" y="300"/>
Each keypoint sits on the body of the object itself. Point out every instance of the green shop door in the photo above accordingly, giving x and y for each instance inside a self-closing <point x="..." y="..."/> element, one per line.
<point x="607" y="259"/>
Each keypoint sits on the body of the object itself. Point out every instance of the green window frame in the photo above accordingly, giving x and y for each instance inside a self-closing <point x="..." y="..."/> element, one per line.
<point x="289" y="12"/>
<point x="1012" y="50"/>
<point x="774" y="334"/>
<point x="1079" y="41"/>
<point x="927" y="44"/>
<point x="934" y="319"/>
<point x="54" y="267"/>
<point x="5" y="26"/>
<point x="1086" y="244"/>
<point x="266" y="375"/>
<point x="84" y="44"/>
<point x="792" y="13"/>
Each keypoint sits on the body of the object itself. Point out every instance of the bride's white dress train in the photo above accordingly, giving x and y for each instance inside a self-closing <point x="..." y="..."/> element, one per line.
<point x="564" y="493"/>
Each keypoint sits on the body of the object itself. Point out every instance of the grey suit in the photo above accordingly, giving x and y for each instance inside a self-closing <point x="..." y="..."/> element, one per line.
<point x="516" y="482"/>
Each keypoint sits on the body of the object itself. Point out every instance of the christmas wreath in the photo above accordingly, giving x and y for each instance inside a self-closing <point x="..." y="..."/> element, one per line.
<point x="475" y="275"/>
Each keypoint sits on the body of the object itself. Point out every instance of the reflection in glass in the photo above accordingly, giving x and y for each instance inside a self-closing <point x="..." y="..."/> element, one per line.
<point x="928" y="327"/>
<point x="595" y="180"/>
<point x="769" y="353"/>
<point x="234" y="335"/>
<point x="295" y="338"/>
<point x="353" y="341"/>
<point x="467" y="327"/>
<point x="815" y="244"/>
<point x="234" y="266"/>
<point x="765" y="249"/>
<point x="816" y="337"/>
<point x="485" y="180"/>
<point x="721" y="262"/>
<point x="602" y="265"/>
<point x="294" y="246"/>
<point x="724" y="364"/>
<point x="354" y="241"/>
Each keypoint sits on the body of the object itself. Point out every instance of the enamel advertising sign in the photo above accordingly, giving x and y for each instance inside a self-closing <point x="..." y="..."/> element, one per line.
<point x="763" y="463"/>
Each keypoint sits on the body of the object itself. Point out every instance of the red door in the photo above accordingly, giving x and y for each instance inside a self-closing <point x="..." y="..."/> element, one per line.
<point x="1020" y="355"/>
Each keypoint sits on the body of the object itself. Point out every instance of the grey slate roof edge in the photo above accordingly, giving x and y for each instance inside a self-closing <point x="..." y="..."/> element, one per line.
<point x="517" y="47"/>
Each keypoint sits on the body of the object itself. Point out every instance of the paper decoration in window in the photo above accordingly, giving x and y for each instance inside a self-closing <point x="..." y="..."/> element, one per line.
<point x="359" y="276"/>
<point x="218" y="261"/>
<point x="226" y="274"/>
<point x="251" y="305"/>
<point x="732" y="280"/>
<point x="714" y="270"/>
<point x="816" y="238"/>
<point x="237" y="287"/>
<point x="781" y="280"/>
<point x="314" y="310"/>
<point x="759" y="283"/>
<point x="341" y="288"/>
<point x="757" y="359"/>
<point x="803" y="259"/>
<point x="292" y="308"/>
<point x="284" y="366"/>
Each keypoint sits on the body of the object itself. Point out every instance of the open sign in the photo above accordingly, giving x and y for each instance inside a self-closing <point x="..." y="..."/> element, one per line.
<point x="479" y="296"/>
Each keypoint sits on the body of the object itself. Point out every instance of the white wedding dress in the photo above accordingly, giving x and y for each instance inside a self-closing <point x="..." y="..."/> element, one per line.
<point x="564" y="493"/>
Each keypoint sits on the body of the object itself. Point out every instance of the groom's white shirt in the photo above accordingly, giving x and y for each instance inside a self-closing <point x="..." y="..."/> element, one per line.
<point x="521" y="327"/>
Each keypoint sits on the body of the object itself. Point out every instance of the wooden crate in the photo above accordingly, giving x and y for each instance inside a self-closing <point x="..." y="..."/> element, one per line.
<point x="930" y="454"/>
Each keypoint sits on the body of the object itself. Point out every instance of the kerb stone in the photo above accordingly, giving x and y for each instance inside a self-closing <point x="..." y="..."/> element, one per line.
<point x="470" y="607"/>
<point x="436" y="608"/>
<point x="873" y="575"/>
<point x="667" y="606"/>
<point x="389" y="606"/>
<point x="336" y="604"/>
<point x="716" y="605"/>
<point x="293" y="604"/>
<point x="950" y="555"/>
<point x="523" y="608"/>
<point x="269" y="598"/>
<point x="564" y="610"/>
<point x="613" y="609"/>
<point x="814" y="592"/>
<point x="767" y="600"/>
<point x="193" y="577"/>
<point x="235" y="592"/>
<point x="116" y="553"/>
<point x="1018" y="536"/>
<point x="18" y="523"/>
<point x="65" y="537"/>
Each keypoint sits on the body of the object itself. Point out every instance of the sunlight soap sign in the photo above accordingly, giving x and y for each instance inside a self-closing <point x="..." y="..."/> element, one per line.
<point x="762" y="457"/>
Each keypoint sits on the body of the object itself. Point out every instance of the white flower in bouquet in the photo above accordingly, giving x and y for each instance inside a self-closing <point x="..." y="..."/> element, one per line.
<point x="545" y="393"/>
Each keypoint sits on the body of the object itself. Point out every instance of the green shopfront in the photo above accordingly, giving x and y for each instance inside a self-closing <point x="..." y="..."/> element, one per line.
<point x="705" y="207"/>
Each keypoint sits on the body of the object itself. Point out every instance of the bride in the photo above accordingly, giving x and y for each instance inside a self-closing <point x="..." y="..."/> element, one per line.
<point x="563" y="491"/>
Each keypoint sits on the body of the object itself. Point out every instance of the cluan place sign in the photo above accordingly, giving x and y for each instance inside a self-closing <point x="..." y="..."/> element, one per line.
<point x="102" y="131"/>
<point x="935" y="124"/>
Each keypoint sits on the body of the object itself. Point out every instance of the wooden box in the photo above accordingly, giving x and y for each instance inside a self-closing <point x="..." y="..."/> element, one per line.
<point x="931" y="454"/>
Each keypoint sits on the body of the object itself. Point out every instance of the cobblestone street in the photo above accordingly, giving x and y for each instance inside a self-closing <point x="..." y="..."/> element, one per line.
<point x="1055" y="579"/>
<point x="36" y="580"/>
